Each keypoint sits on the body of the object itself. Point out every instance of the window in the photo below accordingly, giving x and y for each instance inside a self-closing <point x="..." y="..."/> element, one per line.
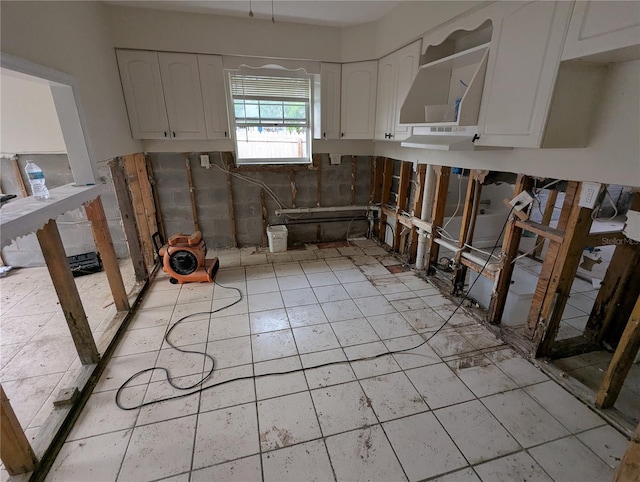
<point x="271" y="114"/>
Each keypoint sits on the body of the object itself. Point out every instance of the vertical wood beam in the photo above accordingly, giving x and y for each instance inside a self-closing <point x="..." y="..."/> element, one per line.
<point x="620" y="287"/>
<point x="387" y="179"/>
<point x="227" y="159"/>
<point x="376" y="189"/>
<point x="443" y="174"/>
<point x="467" y="226"/>
<point x="353" y="179"/>
<point x="418" y="196"/>
<point x="629" y="467"/>
<point x="142" y="221"/>
<point x="546" y="219"/>
<point x="128" y="218"/>
<point x="403" y="194"/>
<point x="263" y="203"/>
<point x="19" y="178"/>
<point x="546" y="320"/>
<point x="156" y="198"/>
<point x="192" y="192"/>
<point x="294" y="190"/>
<point x="15" y="451"/>
<point x="65" y="286"/>
<point x="621" y="362"/>
<point x="104" y="244"/>
<point x="147" y="192"/>
<point x="510" y="244"/>
<point x="318" y="163"/>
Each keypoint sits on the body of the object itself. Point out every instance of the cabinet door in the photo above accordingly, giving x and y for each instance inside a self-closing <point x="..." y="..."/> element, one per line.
<point x="359" y="82"/>
<point x="386" y="98"/>
<point x="523" y="63"/>
<point x="142" y="87"/>
<point x="214" y="98"/>
<point x="330" y="79"/>
<point x="408" y="62"/>
<point x="598" y="27"/>
<point x="181" y="86"/>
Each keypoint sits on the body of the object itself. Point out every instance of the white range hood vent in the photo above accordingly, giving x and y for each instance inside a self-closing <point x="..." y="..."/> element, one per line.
<point x="442" y="138"/>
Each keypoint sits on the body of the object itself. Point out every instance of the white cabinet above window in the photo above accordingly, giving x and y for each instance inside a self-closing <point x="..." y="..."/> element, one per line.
<point x="330" y="80"/>
<point x="358" y="106"/>
<point x="396" y="73"/>
<point x="173" y="95"/>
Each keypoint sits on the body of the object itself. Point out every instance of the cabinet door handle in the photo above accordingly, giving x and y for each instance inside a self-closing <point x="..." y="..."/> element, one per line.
<point x="225" y="133"/>
<point x="165" y="133"/>
<point x="342" y="134"/>
<point x="324" y="134"/>
<point x="390" y="135"/>
<point x="174" y="133"/>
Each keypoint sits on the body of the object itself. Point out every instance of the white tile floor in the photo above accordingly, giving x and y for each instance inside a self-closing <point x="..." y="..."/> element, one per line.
<point x="461" y="407"/>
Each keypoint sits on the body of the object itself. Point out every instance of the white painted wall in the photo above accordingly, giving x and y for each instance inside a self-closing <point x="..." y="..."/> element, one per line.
<point x="73" y="37"/>
<point x="28" y="118"/>
<point x="138" y="28"/>
<point x="613" y="155"/>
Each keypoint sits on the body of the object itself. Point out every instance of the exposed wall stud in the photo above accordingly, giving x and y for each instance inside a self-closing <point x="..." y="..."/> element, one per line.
<point x="387" y="179"/>
<point x="192" y="192"/>
<point x="440" y="202"/>
<point x="227" y="159"/>
<point x="15" y="451"/>
<point x="418" y="196"/>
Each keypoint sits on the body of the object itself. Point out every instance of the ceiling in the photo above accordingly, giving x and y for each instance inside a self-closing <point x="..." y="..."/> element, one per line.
<point x="336" y="13"/>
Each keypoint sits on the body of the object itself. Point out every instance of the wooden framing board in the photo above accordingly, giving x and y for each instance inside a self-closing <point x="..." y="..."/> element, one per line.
<point x="467" y="226"/>
<point x="128" y="215"/>
<point x="418" y="196"/>
<point x="156" y="198"/>
<point x="387" y="179"/>
<point x="317" y="161"/>
<point x="147" y="192"/>
<point x="629" y="467"/>
<point x="104" y="244"/>
<point x="478" y="268"/>
<point x="443" y="174"/>
<point x="546" y="219"/>
<point x="621" y="362"/>
<point x="227" y="158"/>
<point x="144" y="228"/>
<point x="547" y="312"/>
<point x="403" y="200"/>
<point x="263" y="204"/>
<point x="19" y="178"/>
<point x="192" y="192"/>
<point x="541" y="230"/>
<point x="375" y="196"/>
<point x="65" y="286"/>
<point x="15" y="451"/>
<point x="510" y="244"/>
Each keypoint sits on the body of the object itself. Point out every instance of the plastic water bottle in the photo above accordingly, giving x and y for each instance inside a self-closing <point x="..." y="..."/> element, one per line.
<point x="36" y="179"/>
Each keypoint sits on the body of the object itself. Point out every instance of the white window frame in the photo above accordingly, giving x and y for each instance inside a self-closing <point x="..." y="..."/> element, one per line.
<point x="273" y="71"/>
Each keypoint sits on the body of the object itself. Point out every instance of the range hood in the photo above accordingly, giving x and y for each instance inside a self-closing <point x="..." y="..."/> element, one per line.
<point x="442" y="138"/>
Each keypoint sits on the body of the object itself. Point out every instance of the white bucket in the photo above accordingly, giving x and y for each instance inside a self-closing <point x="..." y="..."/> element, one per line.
<point x="277" y="238"/>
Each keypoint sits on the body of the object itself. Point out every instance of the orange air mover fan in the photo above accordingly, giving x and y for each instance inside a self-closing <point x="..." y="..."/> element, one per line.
<point x="184" y="258"/>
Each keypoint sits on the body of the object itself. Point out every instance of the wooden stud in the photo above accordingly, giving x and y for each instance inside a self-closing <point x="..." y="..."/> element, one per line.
<point x="294" y="190"/>
<point x="19" y="178"/>
<point x="541" y="230"/>
<point x="467" y="226"/>
<point x="376" y="189"/>
<point x="418" y="197"/>
<point x="437" y="217"/>
<point x="546" y="219"/>
<point x="318" y="162"/>
<point x="353" y="179"/>
<point x="387" y="179"/>
<point x="147" y="192"/>
<point x="142" y="220"/>
<point x="403" y="194"/>
<point x="65" y="286"/>
<point x="629" y="468"/>
<point x="621" y="362"/>
<point x="128" y="215"/>
<point x="510" y="244"/>
<point x="156" y="198"/>
<point x="263" y="203"/>
<point x="104" y="244"/>
<point x="15" y="451"/>
<point x="548" y="316"/>
<point x="227" y="159"/>
<point x="192" y="192"/>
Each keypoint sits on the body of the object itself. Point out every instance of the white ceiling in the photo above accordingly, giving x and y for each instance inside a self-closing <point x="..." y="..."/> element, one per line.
<point x="336" y="13"/>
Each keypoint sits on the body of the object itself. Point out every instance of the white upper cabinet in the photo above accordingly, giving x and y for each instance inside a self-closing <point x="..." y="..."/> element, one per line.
<point x="213" y="96"/>
<point x="359" y="84"/>
<point x="396" y="73"/>
<point x="182" y="94"/>
<point x="142" y="87"/>
<point x="524" y="60"/>
<point x="604" y="31"/>
<point x="330" y="80"/>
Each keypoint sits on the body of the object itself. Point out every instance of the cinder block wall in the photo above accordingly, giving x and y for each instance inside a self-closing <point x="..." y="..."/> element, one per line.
<point x="74" y="227"/>
<point x="212" y="199"/>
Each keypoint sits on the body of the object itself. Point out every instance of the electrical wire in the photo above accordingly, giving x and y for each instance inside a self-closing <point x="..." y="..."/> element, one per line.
<point x="595" y="212"/>
<point x="189" y="390"/>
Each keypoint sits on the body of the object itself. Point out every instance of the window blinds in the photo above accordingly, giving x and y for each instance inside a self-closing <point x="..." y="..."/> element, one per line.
<point x="256" y="87"/>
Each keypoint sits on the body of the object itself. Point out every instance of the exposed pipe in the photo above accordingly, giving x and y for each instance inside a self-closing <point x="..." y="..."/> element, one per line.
<point x="327" y="209"/>
<point x="427" y="203"/>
